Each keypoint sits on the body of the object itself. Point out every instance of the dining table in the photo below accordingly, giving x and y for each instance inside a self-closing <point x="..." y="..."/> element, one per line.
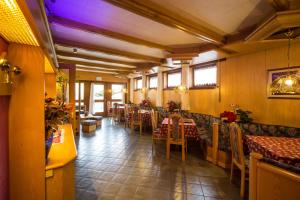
<point x="145" y="115"/>
<point x="282" y="149"/>
<point x="190" y="128"/>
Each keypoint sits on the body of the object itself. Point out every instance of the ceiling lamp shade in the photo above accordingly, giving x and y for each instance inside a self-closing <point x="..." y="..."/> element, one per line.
<point x="13" y="25"/>
<point x="287" y="84"/>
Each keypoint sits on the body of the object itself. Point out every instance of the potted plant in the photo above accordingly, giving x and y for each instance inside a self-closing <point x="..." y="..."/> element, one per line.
<point x="173" y="106"/>
<point x="228" y="116"/>
<point x="146" y="104"/>
<point x="55" y="114"/>
<point x="244" y="116"/>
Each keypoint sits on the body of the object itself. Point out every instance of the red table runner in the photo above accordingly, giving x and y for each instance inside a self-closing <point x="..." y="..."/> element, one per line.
<point x="282" y="149"/>
<point x="190" y="129"/>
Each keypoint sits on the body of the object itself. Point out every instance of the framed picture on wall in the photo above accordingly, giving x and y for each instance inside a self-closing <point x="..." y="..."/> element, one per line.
<point x="277" y="88"/>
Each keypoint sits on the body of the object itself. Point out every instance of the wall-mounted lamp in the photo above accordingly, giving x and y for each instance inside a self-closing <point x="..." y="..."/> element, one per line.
<point x="143" y="90"/>
<point x="124" y="90"/>
<point x="181" y="89"/>
<point x="7" y="71"/>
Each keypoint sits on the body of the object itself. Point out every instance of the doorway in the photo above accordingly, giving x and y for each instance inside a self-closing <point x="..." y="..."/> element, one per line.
<point x="104" y="95"/>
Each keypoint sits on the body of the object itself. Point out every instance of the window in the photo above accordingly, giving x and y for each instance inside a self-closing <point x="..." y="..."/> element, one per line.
<point x="117" y="93"/>
<point x="77" y="93"/>
<point x="138" y="84"/>
<point x="173" y="79"/>
<point x="205" y="76"/>
<point x="98" y="96"/>
<point x="152" y="81"/>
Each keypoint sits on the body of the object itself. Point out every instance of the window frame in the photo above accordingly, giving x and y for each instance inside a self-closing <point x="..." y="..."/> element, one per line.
<point x="203" y="66"/>
<point x="148" y="80"/>
<point x="135" y="83"/>
<point x="174" y="71"/>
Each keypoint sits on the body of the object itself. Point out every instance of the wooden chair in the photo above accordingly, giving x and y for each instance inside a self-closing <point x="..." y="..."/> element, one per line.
<point x="115" y="111"/>
<point x="238" y="158"/>
<point x="136" y="119"/>
<point x="156" y="133"/>
<point x="176" y="134"/>
<point x="127" y="111"/>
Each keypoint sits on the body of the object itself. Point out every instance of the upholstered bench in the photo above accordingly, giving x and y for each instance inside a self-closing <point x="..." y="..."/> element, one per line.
<point x="97" y="118"/>
<point x="88" y="125"/>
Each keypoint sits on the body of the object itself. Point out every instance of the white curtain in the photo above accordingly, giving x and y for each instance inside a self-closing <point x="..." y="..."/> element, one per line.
<point x="91" y="108"/>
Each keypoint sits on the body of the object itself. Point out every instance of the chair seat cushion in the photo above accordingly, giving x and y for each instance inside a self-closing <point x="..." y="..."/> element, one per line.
<point x="89" y="122"/>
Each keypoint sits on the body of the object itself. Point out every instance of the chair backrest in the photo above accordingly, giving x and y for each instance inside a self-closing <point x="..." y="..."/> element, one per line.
<point x="236" y="143"/>
<point x="136" y="115"/>
<point x="154" y="119"/>
<point x="175" y="127"/>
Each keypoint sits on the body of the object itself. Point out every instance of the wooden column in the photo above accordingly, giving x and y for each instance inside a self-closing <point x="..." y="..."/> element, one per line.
<point x="131" y="90"/>
<point x="26" y="124"/>
<point x="185" y="97"/>
<point x="144" y="87"/>
<point x="159" y="91"/>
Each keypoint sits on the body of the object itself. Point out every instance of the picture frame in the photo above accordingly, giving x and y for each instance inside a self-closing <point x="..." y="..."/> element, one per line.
<point x="273" y="74"/>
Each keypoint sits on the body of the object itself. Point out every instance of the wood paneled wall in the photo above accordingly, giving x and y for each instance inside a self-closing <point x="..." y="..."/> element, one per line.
<point x="4" y="102"/>
<point x="152" y="96"/>
<point x="170" y="95"/>
<point x="26" y="125"/>
<point x="137" y="97"/>
<point x="50" y="85"/>
<point x="243" y="81"/>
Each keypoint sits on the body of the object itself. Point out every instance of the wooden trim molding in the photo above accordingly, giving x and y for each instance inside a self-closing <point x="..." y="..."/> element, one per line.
<point x="156" y="13"/>
<point x="100" y="31"/>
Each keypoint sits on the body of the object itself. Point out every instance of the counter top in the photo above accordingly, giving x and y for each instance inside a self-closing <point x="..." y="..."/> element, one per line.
<point x="62" y="153"/>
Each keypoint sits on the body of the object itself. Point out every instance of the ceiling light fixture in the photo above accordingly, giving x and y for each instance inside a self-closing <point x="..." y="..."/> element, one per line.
<point x="75" y="50"/>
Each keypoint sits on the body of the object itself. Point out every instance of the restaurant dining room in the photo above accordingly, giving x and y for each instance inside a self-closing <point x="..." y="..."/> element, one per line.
<point x="149" y="100"/>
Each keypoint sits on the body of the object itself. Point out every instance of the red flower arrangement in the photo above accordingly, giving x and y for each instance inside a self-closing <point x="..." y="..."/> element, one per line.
<point x="229" y="116"/>
<point x="145" y="103"/>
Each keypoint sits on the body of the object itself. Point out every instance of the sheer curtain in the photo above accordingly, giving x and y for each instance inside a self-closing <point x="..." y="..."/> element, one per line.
<point x="91" y="107"/>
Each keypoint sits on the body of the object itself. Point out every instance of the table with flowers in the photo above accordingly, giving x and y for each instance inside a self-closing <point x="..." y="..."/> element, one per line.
<point x="190" y="129"/>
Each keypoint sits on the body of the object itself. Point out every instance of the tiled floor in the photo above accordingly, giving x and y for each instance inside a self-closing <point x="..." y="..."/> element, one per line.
<point x="115" y="164"/>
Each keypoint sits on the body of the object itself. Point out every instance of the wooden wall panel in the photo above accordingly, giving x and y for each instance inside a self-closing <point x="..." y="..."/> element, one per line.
<point x="4" y="102"/>
<point x="137" y="97"/>
<point x="26" y="125"/>
<point x="152" y="96"/>
<point x="50" y="85"/>
<point x="244" y="82"/>
<point x="170" y="95"/>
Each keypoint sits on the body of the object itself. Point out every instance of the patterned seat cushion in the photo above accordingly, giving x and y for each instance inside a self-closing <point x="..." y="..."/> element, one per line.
<point x="89" y="122"/>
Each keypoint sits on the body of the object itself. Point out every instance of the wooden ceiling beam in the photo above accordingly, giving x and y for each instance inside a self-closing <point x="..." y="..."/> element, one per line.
<point x="163" y="16"/>
<point x="94" y="58"/>
<point x="115" y="52"/>
<point x="280" y="5"/>
<point x="75" y="62"/>
<point x="100" y="31"/>
<point x="101" y="70"/>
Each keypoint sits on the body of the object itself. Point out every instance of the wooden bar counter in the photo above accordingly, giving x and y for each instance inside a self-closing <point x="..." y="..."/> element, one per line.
<point x="60" y="170"/>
